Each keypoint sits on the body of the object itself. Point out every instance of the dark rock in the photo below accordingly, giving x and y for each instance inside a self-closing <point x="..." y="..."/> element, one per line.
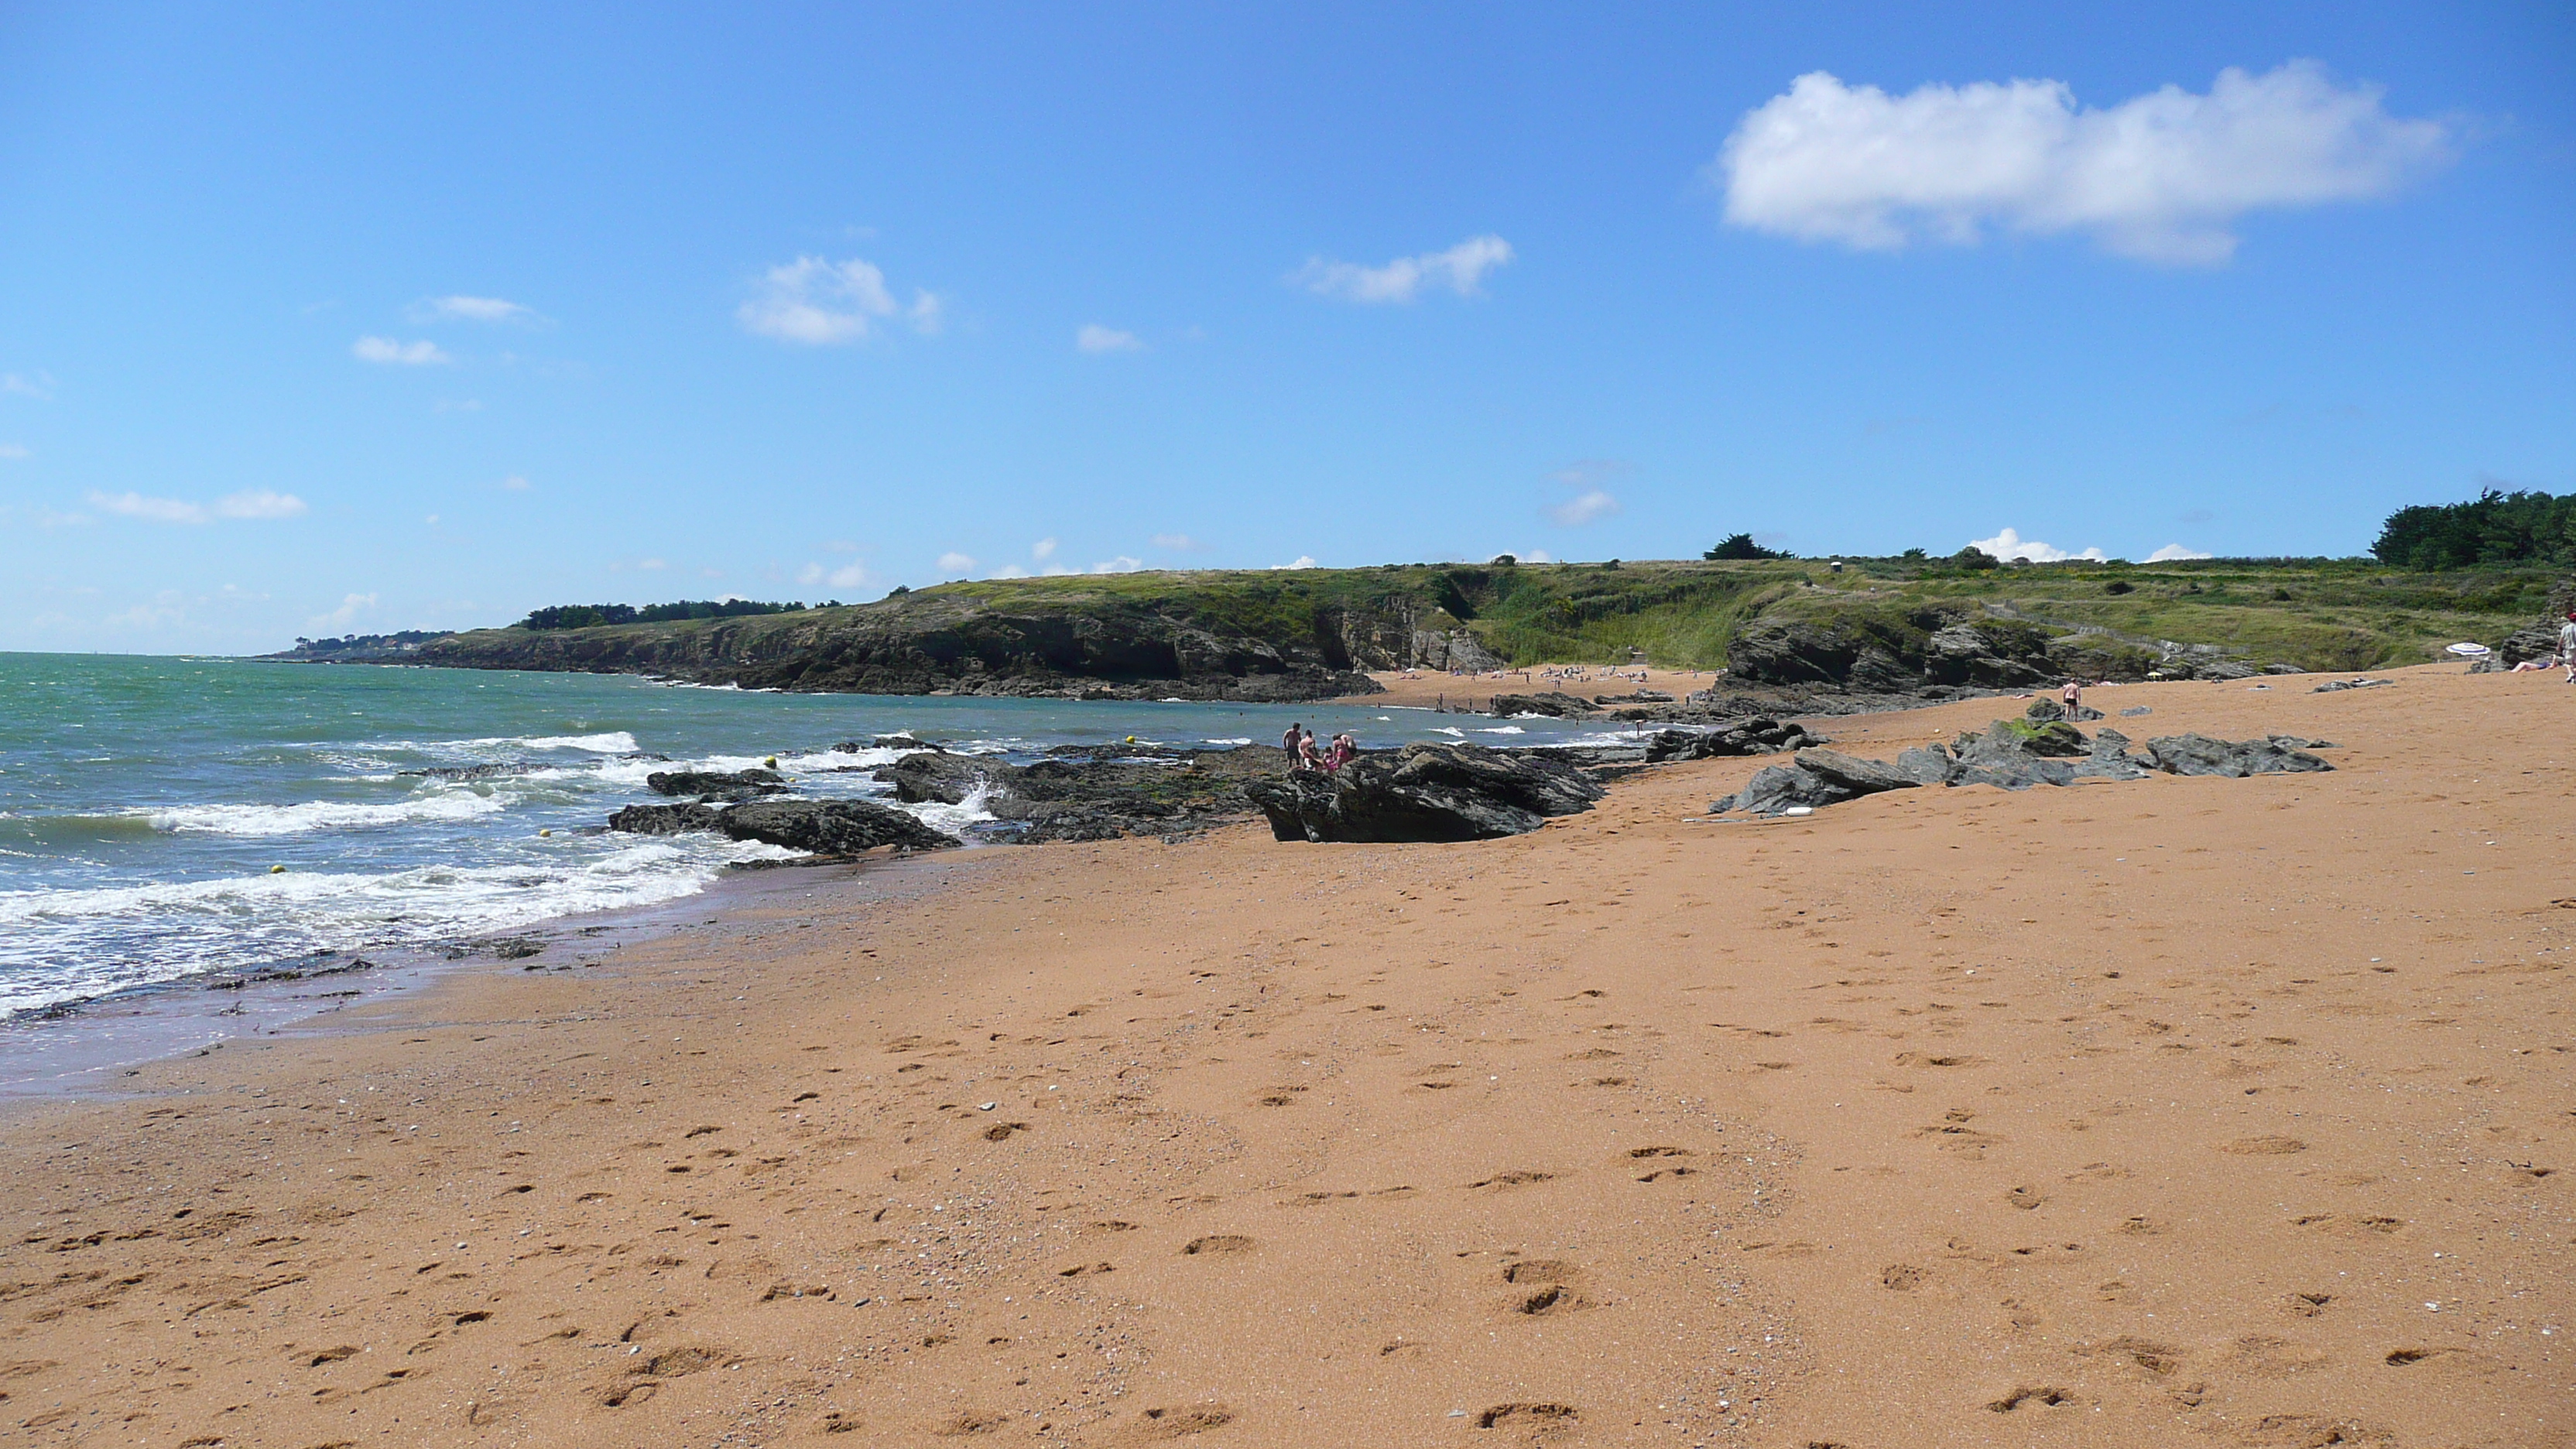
<point x="1928" y="764"/>
<point x="2194" y="754"/>
<point x="665" y="819"/>
<point x="883" y="742"/>
<point x="1642" y="696"/>
<point x="2054" y="740"/>
<point x="2532" y="641"/>
<point x="2135" y="710"/>
<point x="2283" y="669"/>
<point x="717" y="784"/>
<point x="1743" y="737"/>
<point x="1425" y="792"/>
<point x="829" y="827"/>
<point x="1814" y="778"/>
<point x="2358" y="681"/>
<point x="2224" y="669"/>
<point x="475" y="772"/>
<point x="2051" y="709"/>
<point x="2293" y="742"/>
<point x="1554" y="704"/>
<point x="936" y="775"/>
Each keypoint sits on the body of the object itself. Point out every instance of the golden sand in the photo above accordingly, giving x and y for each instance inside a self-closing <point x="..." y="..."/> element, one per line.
<point x="2175" y="1112"/>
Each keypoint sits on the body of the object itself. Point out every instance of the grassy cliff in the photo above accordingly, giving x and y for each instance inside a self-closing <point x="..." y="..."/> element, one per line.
<point x="1294" y="628"/>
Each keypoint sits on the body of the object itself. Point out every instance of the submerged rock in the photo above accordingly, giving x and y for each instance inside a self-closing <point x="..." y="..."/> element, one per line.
<point x="1425" y="792"/>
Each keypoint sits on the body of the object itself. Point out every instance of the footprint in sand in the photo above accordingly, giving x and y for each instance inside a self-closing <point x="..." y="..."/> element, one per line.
<point x="1001" y="1131"/>
<point x="972" y="1421"/>
<point x="1903" y="1277"/>
<point x="1216" y="1243"/>
<point x="1162" y="1424"/>
<point x="1515" y="1178"/>
<point x="2024" y="1198"/>
<point x="2307" y="1305"/>
<point x="2036" y="1398"/>
<point x="1537" y="1423"/>
<point x="2263" y="1146"/>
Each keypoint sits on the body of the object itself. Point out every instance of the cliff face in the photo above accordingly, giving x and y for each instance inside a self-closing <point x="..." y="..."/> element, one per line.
<point x="1279" y="643"/>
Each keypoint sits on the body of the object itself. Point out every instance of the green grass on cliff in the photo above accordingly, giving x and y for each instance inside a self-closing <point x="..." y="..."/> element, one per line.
<point x="2327" y="614"/>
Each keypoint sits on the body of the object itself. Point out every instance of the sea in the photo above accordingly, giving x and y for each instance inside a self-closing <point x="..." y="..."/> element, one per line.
<point x="165" y="821"/>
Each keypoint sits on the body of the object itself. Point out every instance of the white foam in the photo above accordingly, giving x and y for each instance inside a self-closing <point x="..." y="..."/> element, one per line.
<point x="613" y="742"/>
<point x="1226" y="742"/>
<point x="954" y="819"/>
<point x="1509" y="729"/>
<point x="322" y="814"/>
<point x="1449" y="730"/>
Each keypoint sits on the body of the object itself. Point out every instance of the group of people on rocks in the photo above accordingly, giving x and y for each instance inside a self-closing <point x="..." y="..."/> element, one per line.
<point x="1304" y="757"/>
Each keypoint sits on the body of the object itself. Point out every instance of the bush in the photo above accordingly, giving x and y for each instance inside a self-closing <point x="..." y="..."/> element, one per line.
<point x="1742" y="546"/>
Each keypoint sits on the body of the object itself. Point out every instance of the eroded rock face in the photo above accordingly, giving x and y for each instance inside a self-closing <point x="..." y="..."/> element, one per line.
<point x="1425" y="792"/>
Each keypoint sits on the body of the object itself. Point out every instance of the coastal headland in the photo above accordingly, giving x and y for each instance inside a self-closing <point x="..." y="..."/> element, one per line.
<point x="1832" y="634"/>
<point x="2172" y="1111"/>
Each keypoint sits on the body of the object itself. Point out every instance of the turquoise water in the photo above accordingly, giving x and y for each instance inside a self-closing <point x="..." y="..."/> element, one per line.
<point x="144" y="802"/>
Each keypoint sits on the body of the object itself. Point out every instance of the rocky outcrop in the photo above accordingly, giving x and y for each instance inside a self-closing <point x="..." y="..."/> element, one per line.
<point x="1091" y="793"/>
<point x="1552" y="704"/>
<point x="1885" y="648"/>
<point x="717" y="784"/>
<point x="2201" y="755"/>
<point x="2012" y="755"/>
<point x="1743" y="737"/>
<point x="825" y="827"/>
<point x="1425" y="792"/>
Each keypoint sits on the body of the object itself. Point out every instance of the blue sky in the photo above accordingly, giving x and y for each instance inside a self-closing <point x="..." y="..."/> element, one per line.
<point x="364" y="318"/>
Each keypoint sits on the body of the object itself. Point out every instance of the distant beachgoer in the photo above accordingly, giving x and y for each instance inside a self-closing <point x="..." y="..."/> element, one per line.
<point x="1307" y="757"/>
<point x="2072" y="697"/>
<point x="2567" y="645"/>
<point x="1289" y="742"/>
<point x="1345" y="749"/>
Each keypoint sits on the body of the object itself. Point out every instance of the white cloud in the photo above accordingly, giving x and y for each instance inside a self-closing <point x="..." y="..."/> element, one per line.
<point x="1119" y="565"/>
<point x="2161" y="177"/>
<point x="848" y="576"/>
<point x="406" y="354"/>
<point x="1583" y="508"/>
<point x="15" y="451"/>
<point x="2173" y="552"/>
<point x="1010" y="571"/>
<point x="351" y="606"/>
<point x="516" y="484"/>
<point x="2009" y="545"/>
<point x="956" y="563"/>
<point x="1175" y="540"/>
<point x="40" y="386"/>
<point x="1304" y="561"/>
<point x="1459" y="269"/>
<point x="652" y="564"/>
<point x="1095" y="338"/>
<point x="156" y="510"/>
<point x="249" y="503"/>
<point x="45" y="517"/>
<point x="260" y="503"/>
<point x="819" y="303"/>
<point x="471" y="309"/>
<point x="1042" y="549"/>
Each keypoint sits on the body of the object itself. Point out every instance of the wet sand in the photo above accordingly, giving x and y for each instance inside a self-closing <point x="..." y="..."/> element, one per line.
<point x="2180" y="1111"/>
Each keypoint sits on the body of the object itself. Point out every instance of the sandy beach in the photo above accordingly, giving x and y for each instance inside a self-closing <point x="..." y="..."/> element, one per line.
<point x="1421" y="687"/>
<point x="2183" y="1111"/>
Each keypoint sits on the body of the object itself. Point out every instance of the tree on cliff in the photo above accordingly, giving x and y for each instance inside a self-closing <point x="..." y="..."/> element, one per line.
<point x="2495" y="528"/>
<point x="1742" y="546"/>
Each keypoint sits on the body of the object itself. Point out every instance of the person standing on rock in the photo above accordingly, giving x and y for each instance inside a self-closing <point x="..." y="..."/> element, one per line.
<point x="2072" y="697"/>
<point x="1308" y="758"/>
<point x="1288" y="742"/>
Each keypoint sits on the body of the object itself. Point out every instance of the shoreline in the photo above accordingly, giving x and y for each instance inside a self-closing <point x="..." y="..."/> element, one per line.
<point x="2068" y="1115"/>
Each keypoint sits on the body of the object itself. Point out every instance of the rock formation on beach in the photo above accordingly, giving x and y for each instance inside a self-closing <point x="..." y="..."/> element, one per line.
<point x="1425" y="792"/>
<point x="825" y="827"/>
<point x="2013" y="754"/>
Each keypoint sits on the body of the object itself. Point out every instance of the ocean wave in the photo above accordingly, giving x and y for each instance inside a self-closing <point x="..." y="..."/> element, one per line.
<point x="612" y="742"/>
<point x="319" y="815"/>
<point x="1508" y="729"/>
<point x="1230" y="743"/>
